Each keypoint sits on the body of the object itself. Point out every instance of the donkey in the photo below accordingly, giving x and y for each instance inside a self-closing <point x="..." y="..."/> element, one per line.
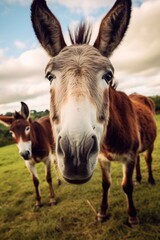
<point x="88" y="115"/>
<point x="35" y="145"/>
<point x="145" y="102"/>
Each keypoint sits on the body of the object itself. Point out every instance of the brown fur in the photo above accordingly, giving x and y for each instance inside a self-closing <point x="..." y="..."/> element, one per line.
<point x="42" y="141"/>
<point x="121" y="126"/>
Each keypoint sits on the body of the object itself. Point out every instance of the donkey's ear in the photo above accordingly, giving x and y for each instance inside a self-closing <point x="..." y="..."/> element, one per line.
<point x="24" y="110"/>
<point x="17" y="115"/>
<point x="7" y="120"/>
<point x="47" y="28"/>
<point x="113" y="27"/>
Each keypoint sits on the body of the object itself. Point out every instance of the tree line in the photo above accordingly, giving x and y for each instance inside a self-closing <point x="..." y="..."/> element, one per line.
<point x="156" y="100"/>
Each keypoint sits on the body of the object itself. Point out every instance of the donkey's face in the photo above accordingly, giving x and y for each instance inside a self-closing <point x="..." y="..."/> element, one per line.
<point x="80" y="76"/>
<point x="20" y="130"/>
<point x="79" y="108"/>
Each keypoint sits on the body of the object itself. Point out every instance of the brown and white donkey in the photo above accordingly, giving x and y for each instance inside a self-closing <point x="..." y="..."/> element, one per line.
<point x="35" y="144"/>
<point x="88" y="115"/>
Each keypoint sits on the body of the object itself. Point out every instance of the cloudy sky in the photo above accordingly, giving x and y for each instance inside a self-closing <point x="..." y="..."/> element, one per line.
<point x="22" y="60"/>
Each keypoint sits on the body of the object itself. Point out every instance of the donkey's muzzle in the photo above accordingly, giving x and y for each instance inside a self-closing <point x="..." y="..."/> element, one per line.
<point x="77" y="181"/>
<point x="77" y="159"/>
<point x="25" y="155"/>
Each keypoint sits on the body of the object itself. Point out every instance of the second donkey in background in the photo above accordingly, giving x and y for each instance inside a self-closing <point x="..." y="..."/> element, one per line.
<point x="35" y="145"/>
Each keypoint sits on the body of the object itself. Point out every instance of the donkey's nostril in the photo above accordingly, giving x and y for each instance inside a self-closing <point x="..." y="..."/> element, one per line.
<point x="91" y="146"/>
<point x="94" y="145"/>
<point x="25" y="155"/>
<point x="28" y="153"/>
<point x="63" y="146"/>
<point x="59" y="146"/>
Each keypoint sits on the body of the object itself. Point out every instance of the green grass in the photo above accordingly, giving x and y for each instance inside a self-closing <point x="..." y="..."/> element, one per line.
<point x="72" y="218"/>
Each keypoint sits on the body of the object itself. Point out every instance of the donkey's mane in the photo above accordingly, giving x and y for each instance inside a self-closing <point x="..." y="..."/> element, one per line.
<point x="82" y="34"/>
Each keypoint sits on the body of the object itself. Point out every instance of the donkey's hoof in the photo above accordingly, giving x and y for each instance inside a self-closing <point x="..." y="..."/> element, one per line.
<point x="151" y="181"/>
<point x="133" y="221"/>
<point x="101" y="217"/>
<point x="38" y="205"/>
<point x="53" y="203"/>
<point x="136" y="183"/>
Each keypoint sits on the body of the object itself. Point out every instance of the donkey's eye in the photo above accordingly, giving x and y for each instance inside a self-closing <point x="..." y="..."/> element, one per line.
<point x="50" y="77"/>
<point x="108" y="76"/>
<point x="27" y="129"/>
<point x="12" y="133"/>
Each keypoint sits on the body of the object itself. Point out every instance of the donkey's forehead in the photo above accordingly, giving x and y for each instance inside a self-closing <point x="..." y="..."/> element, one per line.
<point x="19" y="123"/>
<point x="83" y="49"/>
<point x="81" y="55"/>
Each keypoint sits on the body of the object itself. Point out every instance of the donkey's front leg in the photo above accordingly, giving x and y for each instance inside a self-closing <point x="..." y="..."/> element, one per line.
<point x="106" y="182"/>
<point x="38" y="196"/>
<point x="32" y="169"/>
<point x="127" y="185"/>
<point x="49" y="181"/>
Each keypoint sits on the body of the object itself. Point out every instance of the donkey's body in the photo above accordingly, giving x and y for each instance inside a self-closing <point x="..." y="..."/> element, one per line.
<point x="88" y="115"/>
<point x="35" y="145"/>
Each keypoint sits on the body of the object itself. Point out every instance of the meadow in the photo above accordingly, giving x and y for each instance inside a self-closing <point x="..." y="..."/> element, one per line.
<point x="72" y="218"/>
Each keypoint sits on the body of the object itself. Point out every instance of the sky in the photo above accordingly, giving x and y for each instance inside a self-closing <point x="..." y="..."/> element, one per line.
<point x="22" y="60"/>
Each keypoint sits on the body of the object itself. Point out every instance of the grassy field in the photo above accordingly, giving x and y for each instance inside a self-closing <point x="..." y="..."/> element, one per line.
<point x="72" y="218"/>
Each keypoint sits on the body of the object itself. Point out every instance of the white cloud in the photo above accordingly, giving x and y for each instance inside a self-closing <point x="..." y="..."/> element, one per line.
<point x="23" y="77"/>
<point x="2" y="54"/>
<point x="20" y="44"/>
<point x="83" y="6"/>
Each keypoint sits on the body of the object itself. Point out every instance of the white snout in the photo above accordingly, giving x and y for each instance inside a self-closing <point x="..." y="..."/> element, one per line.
<point x="78" y="137"/>
<point x="25" y="149"/>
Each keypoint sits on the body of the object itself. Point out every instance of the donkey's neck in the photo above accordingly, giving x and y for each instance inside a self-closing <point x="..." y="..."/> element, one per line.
<point x="121" y="125"/>
<point x="40" y="144"/>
